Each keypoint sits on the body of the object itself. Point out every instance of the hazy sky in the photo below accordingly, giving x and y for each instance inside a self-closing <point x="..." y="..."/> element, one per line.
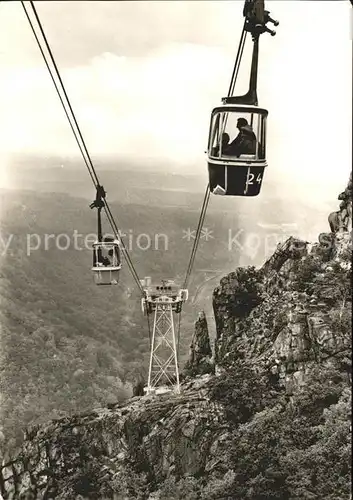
<point x="143" y="78"/>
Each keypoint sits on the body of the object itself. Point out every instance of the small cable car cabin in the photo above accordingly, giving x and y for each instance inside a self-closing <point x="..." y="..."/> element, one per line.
<point x="106" y="262"/>
<point x="237" y="149"/>
<point x="237" y="137"/>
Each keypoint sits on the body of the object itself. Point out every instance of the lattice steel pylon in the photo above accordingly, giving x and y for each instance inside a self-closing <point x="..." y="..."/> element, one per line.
<point x="164" y="300"/>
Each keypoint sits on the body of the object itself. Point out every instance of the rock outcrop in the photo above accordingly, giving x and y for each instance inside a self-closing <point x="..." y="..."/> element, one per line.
<point x="200" y="358"/>
<point x="299" y="301"/>
<point x="158" y="437"/>
<point x="341" y="220"/>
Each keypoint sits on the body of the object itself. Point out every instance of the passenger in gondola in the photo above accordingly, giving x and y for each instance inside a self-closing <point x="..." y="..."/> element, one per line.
<point x="225" y="142"/>
<point x="106" y="261"/>
<point x="111" y="255"/>
<point x="244" y="143"/>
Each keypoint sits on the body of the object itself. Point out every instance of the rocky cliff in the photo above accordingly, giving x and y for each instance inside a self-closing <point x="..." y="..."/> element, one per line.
<point x="266" y="417"/>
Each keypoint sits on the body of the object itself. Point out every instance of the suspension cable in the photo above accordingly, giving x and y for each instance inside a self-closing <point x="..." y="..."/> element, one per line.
<point x="235" y="71"/>
<point x="237" y="61"/>
<point x="61" y="84"/>
<point x="83" y="148"/>
<point x="57" y="89"/>
<point x="197" y="236"/>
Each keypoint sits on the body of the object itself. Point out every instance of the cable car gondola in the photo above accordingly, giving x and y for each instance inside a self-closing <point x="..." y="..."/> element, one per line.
<point x="106" y="261"/>
<point x="231" y="171"/>
<point x="237" y="135"/>
<point x="106" y="251"/>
